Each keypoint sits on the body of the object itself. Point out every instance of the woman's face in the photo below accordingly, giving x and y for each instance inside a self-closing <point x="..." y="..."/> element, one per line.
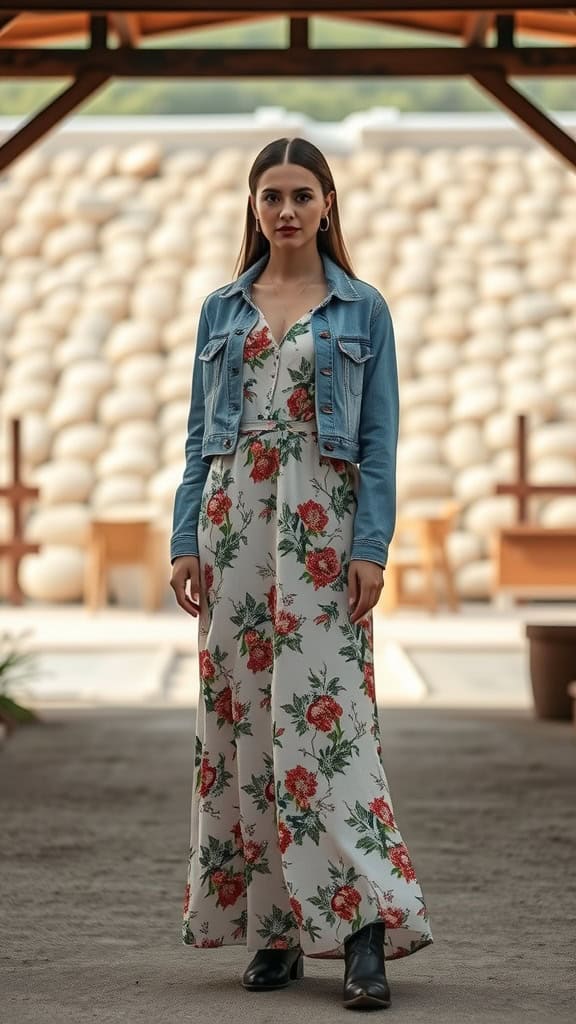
<point x="288" y="195"/>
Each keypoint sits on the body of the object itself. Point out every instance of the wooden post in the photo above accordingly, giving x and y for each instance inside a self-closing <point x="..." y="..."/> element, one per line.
<point x="521" y="488"/>
<point x="16" y="494"/>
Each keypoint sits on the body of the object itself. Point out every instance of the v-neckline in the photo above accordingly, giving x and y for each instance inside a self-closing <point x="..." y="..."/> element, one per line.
<point x="278" y="343"/>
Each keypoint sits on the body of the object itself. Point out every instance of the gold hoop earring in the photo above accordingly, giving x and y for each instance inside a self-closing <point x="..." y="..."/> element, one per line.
<point x="327" y="223"/>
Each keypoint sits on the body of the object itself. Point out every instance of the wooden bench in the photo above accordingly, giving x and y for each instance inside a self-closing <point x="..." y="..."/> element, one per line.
<point x="534" y="561"/>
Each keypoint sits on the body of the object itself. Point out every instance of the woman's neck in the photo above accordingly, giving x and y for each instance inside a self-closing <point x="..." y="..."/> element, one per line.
<point x="293" y="267"/>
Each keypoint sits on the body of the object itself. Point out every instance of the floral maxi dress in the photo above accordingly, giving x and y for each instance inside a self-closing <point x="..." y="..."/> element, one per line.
<point x="293" y="837"/>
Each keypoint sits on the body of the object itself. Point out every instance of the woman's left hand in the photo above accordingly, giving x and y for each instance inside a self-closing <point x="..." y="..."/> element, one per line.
<point x="365" y="582"/>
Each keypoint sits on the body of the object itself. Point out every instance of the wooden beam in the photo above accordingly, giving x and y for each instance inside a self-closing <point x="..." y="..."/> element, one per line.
<point x="528" y="114"/>
<point x="291" y="8"/>
<point x="50" y="115"/>
<point x="385" y="62"/>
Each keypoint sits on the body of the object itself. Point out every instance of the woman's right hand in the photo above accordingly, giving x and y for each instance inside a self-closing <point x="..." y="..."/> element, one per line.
<point x="185" y="568"/>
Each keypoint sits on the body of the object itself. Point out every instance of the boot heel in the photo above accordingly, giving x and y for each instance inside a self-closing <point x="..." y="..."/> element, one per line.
<point x="297" y="969"/>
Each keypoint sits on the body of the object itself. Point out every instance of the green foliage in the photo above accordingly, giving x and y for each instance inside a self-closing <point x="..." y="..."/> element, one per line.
<point x="15" y="664"/>
<point x="321" y="99"/>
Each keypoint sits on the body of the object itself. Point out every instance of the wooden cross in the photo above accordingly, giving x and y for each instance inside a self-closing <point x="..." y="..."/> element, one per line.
<point x="16" y="493"/>
<point x="521" y="488"/>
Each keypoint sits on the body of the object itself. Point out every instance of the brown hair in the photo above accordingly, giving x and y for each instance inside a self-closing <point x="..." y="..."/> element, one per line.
<point x="293" y="151"/>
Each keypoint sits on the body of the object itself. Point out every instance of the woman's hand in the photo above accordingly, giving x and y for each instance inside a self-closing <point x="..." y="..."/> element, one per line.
<point x="365" y="582"/>
<point x="185" y="568"/>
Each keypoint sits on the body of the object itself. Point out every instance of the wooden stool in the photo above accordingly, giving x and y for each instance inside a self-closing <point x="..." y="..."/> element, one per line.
<point x="429" y="553"/>
<point x="120" y="540"/>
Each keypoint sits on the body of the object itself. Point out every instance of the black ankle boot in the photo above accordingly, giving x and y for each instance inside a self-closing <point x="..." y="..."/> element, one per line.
<point x="365" y="984"/>
<point x="274" y="968"/>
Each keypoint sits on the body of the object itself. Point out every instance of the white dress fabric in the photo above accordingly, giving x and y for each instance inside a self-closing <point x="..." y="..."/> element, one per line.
<point x="293" y="837"/>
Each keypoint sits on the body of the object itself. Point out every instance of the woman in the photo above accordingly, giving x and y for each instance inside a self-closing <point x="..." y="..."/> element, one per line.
<point x="281" y="530"/>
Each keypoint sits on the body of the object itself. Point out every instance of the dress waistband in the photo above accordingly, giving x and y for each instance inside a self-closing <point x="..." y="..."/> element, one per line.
<point x="250" y="427"/>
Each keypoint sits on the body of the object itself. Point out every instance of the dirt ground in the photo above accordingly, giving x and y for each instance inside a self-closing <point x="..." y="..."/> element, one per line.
<point x="94" y="840"/>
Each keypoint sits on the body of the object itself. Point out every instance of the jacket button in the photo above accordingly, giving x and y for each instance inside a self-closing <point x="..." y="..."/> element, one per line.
<point x="329" y="447"/>
<point x="326" y="408"/>
<point x="324" y="334"/>
<point x="238" y="330"/>
<point x="326" y="371"/>
<point x="235" y="371"/>
<point x="227" y="442"/>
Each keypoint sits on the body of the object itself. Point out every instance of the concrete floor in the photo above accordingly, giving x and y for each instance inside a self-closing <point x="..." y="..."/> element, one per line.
<point x="94" y="838"/>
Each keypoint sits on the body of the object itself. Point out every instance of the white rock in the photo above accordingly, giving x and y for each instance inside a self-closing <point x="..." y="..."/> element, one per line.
<point x="65" y="524"/>
<point x="35" y="438"/>
<point x="474" y="581"/>
<point x="529" y="396"/>
<point x="173" y="418"/>
<point x="117" y="490"/>
<point x="25" y="397"/>
<point x="71" y="238"/>
<point x="131" y="337"/>
<point x="463" y="445"/>
<point x="71" y="407"/>
<point x="475" y="405"/>
<point x="75" y="350"/>
<point x="173" y="386"/>
<point x="438" y="357"/>
<point x="488" y="514"/>
<point x="22" y="240"/>
<point x="132" y="461"/>
<point x="64" y="480"/>
<point x="82" y="441"/>
<point x="475" y="482"/>
<point x="419" y="450"/>
<point x="462" y="548"/>
<point x="425" y="418"/>
<point x="424" y="481"/>
<point x="55" y="574"/>
<point x="473" y="375"/>
<point x="561" y="379"/>
<point x="126" y="404"/>
<point x="156" y="300"/>
<point x="146" y="369"/>
<point x="560" y="511"/>
<point x="553" y="469"/>
<point x="429" y="391"/>
<point x="91" y="376"/>
<point x="136" y="433"/>
<point x="553" y="439"/>
<point x="162" y="486"/>
<point x="35" y="365"/>
<point x="499" y="430"/>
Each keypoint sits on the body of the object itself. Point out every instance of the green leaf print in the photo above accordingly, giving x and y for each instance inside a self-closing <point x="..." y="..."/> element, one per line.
<point x="222" y="777"/>
<point x="276" y="925"/>
<point x="305" y="824"/>
<point x="258" y="784"/>
<point x="297" y="709"/>
<point x="216" y="856"/>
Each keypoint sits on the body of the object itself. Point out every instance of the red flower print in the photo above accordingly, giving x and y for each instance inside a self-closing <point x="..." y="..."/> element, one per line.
<point x="400" y="952"/>
<point x="344" y="902"/>
<point x="323" y="566"/>
<point x="320" y="619"/>
<point x="323" y="712"/>
<point x="230" y="890"/>
<point x="301" y="784"/>
<point x="218" y="506"/>
<point x="237" y="833"/>
<point x="369" y="680"/>
<point x="256" y="342"/>
<point x="219" y="877"/>
<point x="207" y="776"/>
<point x="281" y="942"/>
<point x="251" y="636"/>
<point x="186" y="899"/>
<point x="296" y="910"/>
<point x="266" y="464"/>
<point x="313" y="515"/>
<point x="401" y="859"/>
<point x="271" y="597"/>
<point x="252" y="851"/>
<point x="269" y="791"/>
<point x="300" y="404"/>
<point x="223" y="704"/>
<point x="392" y="916"/>
<point x="239" y="710"/>
<point x="211" y="943"/>
<point x="383" y="811"/>
<point x="286" y="622"/>
<point x="207" y="669"/>
<point x="260" y="655"/>
<point x="208" y="576"/>
<point x="256" y="447"/>
<point x="284" y="837"/>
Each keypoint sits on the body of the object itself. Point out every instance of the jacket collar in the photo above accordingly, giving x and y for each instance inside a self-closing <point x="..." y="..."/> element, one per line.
<point x="340" y="283"/>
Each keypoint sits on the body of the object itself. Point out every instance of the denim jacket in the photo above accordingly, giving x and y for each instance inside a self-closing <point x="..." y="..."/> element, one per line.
<point x="356" y="399"/>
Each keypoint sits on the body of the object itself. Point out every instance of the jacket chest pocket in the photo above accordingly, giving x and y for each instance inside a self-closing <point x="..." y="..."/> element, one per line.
<point x="355" y="353"/>
<point x="212" y="359"/>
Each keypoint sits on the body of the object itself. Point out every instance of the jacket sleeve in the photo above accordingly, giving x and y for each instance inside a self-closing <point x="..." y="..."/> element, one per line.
<point x="375" y="517"/>
<point x="188" y="495"/>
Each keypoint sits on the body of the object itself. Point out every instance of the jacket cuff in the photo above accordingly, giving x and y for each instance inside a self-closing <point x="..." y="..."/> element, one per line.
<point x="370" y="551"/>
<point x="185" y="544"/>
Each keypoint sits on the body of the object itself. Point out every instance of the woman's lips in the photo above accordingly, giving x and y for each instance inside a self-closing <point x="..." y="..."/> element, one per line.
<point x="288" y="231"/>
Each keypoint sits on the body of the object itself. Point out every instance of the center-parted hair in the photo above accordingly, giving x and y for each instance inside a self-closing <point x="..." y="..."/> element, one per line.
<point x="305" y="154"/>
